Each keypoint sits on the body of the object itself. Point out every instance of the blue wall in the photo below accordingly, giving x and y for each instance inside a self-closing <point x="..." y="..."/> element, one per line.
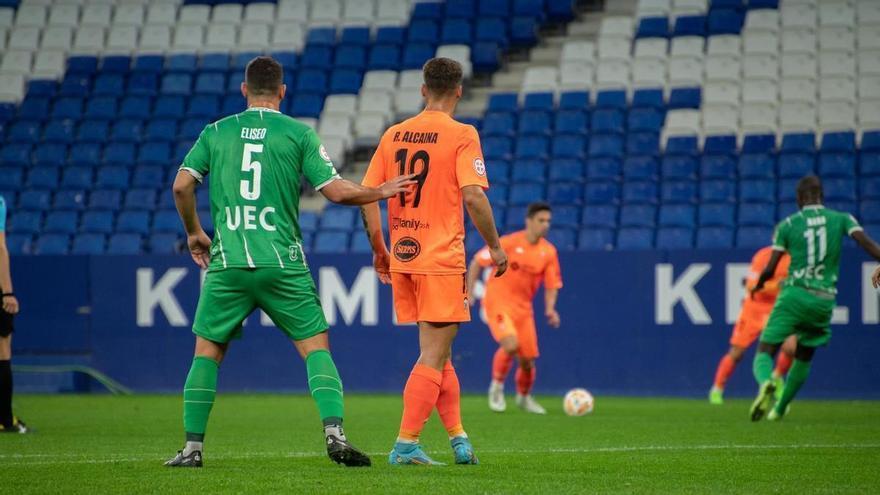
<point x="615" y="336"/>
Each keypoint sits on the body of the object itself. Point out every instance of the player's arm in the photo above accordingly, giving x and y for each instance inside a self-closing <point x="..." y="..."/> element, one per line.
<point x="473" y="274"/>
<point x="345" y="192"/>
<point x="768" y="271"/>
<point x="867" y="244"/>
<point x="480" y="211"/>
<point x="372" y="219"/>
<point x="550" y="297"/>
<point x="199" y="243"/>
<point x="10" y="303"/>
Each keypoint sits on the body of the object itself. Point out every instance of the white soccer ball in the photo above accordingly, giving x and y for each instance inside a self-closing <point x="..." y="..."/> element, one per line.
<point x="577" y="402"/>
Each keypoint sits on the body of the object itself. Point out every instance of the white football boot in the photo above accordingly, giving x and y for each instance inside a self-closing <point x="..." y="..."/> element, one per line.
<point x="529" y="405"/>
<point x="496" y="397"/>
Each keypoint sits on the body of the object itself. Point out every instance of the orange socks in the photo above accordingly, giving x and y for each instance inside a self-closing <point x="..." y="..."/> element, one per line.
<point x="725" y="369"/>
<point x="501" y="364"/>
<point x="419" y="398"/>
<point x="524" y="380"/>
<point x="783" y="363"/>
<point x="449" y="402"/>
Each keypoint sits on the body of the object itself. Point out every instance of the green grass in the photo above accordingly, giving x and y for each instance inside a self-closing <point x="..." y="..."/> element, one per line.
<point x="273" y="443"/>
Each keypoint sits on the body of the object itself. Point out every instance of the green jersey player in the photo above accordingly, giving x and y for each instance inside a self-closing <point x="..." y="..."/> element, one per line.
<point x="813" y="237"/>
<point x="255" y="260"/>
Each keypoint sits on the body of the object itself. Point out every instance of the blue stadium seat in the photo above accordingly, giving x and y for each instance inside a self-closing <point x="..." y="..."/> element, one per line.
<point x="690" y="25"/>
<point x="149" y="176"/>
<point x="574" y="100"/>
<point x="717" y="167"/>
<point x="127" y="131"/>
<point x="572" y="122"/>
<point x="214" y="62"/>
<point x="100" y="222"/>
<point x="566" y="170"/>
<point x="34" y="200"/>
<point x="529" y="171"/>
<point x="499" y="124"/>
<point x="869" y="211"/>
<point x="393" y="35"/>
<point x="870" y="141"/>
<point x="718" y="191"/>
<point x="596" y="239"/>
<point x="93" y="131"/>
<point x="796" y="165"/>
<point x="563" y="239"/>
<point x="640" y="192"/>
<point x="600" y="216"/>
<point x="603" y="169"/>
<point x="25" y="222"/>
<point x="499" y="171"/>
<point x="523" y="31"/>
<point x="641" y="168"/>
<point x="724" y="21"/>
<point x="186" y="63"/>
<point x="85" y="154"/>
<point x="497" y="148"/>
<point x="716" y="215"/>
<point x="643" y="143"/>
<point x="345" y="81"/>
<point x="24" y="131"/>
<point x="456" y="32"/>
<point x="155" y="153"/>
<point x="653" y="27"/>
<point x="757" y="191"/>
<point x="602" y="193"/>
<point x="543" y="101"/>
<point x="67" y="108"/>
<point x="70" y="200"/>
<point x="19" y="244"/>
<point x="119" y="154"/>
<point x="675" y="238"/>
<point x="645" y="119"/>
<point x="677" y="216"/>
<point x="105" y="199"/>
<point x="34" y="108"/>
<point x="75" y="84"/>
<point x="423" y="31"/>
<point x="416" y="54"/>
<point x="89" y="244"/>
<point x="531" y="147"/>
<point x="384" y="57"/>
<point x="350" y="57"/>
<point x="140" y="199"/>
<point x="171" y="107"/>
<point x="497" y="194"/>
<point x="163" y="243"/>
<point x="502" y="102"/>
<point x="523" y="194"/>
<point x="161" y="130"/>
<point x="679" y="192"/>
<point x="632" y="215"/>
<point x="37" y="87"/>
<point x="757" y="214"/>
<point x="18" y="155"/>
<point x="101" y="108"/>
<point x="331" y="242"/>
<point x="82" y="64"/>
<point x="680" y="167"/>
<point x="869" y="162"/>
<point x="43" y="177"/>
<point x="338" y="219"/>
<point x="569" y="146"/>
<point x="837" y="164"/>
<point x="312" y="81"/>
<point x="125" y="244"/>
<point x="535" y="122"/>
<point x="351" y="35"/>
<point x="137" y="222"/>
<point x="649" y="98"/>
<point x="839" y="189"/>
<point x="608" y="145"/>
<point x="52" y="244"/>
<point x="757" y="166"/>
<point x="684" y="98"/>
<point x="754" y="237"/>
<point x="205" y="106"/>
<point x="870" y="188"/>
<point x="190" y="129"/>
<point x="492" y="30"/>
<point x="759" y="143"/>
<point x="607" y="120"/>
<point x="798" y="142"/>
<point x="566" y="216"/>
<point x="112" y="177"/>
<point x="167" y="221"/>
<point x="715" y="238"/>
<point x="841" y="142"/>
<point x="143" y="85"/>
<point x="786" y="190"/>
<point x="361" y="244"/>
<point x="850" y="207"/>
<point x="109" y="85"/>
<point x="722" y="144"/>
<point x="635" y="238"/>
<point x="77" y="178"/>
<point x="176" y="84"/>
<point x="59" y="131"/>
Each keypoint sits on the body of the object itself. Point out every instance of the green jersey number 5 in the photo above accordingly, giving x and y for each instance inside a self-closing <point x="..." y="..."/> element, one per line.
<point x="816" y="236"/>
<point x="251" y="190"/>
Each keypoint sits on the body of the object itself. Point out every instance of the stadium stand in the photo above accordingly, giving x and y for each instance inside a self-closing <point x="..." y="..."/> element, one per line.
<point x="682" y="125"/>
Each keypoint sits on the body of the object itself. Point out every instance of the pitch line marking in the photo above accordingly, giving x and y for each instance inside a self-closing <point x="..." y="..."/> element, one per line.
<point x="68" y="458"/>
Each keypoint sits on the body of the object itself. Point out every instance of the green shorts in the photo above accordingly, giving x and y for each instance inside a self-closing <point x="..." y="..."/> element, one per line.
<point x="229" y="296"/>
<point x="801" y="312"/>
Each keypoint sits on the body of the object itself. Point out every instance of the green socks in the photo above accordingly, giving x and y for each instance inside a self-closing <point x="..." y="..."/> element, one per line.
<point x="198" y="397"/>
<point x="325" y="385"/>
<point x="762" y="367"/>
<point x="797" y="375"/>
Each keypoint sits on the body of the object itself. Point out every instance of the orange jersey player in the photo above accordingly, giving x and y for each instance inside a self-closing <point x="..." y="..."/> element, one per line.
<point x="751" y="322"/>
<point x="426" y="265"/>
<point x="508" y="304"/>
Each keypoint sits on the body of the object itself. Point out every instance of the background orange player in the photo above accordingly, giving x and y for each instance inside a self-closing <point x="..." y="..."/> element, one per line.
<point x="751" y="322"/>
<point x="508" y="304"/>
<point x="427" y="270"/>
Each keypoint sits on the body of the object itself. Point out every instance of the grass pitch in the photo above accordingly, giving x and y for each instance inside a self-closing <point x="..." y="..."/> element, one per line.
<point x="274" y="443"/>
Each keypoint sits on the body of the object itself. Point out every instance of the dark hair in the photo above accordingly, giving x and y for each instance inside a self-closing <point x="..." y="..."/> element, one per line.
<point x="442" y="75"/>
<point x="809" y="190"/>
<point x="537" y="207"/>
<point x="263" y="76"/>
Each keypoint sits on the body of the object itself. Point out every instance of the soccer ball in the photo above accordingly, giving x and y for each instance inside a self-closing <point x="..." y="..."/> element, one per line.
<point x="578" y="402"/>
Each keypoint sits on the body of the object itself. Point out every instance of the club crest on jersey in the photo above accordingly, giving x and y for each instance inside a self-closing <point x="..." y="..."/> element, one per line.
<point x="480" y="167"/>
<point x="293" y="253"/>
<point x="407" y="249"/>
<point x="323" y="152"/>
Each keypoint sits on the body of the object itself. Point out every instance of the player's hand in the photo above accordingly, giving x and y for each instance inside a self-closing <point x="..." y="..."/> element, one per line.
<point x="755" y="289"/>
<point x="10" y="305"/>
<point x="397" y="185"/>
<point x="553" y="318"/>
<point x="499" y="259"/>
<point x="200" y="248"/>
<point x="382" y="266"/>
<point x="875" y="278"/>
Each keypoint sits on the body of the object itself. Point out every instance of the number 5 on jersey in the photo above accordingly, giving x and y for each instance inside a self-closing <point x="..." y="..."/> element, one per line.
<point x="247" y="165"/>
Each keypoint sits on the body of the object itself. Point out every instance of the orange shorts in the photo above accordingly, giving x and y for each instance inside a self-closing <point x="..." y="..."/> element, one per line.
<point x="747" y="330"/>
<point x="431" y="298"/>
<point x="502" y="324"/>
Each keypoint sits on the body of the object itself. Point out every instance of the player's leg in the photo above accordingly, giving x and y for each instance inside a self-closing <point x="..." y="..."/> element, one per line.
<point x="8" y="422"/>
<point x="785" y="318"/>
<point x="225" y="301"/>
<point x="291" y="301"/>
<point x="800" y="370"/>
<point x="783" y="363"/>
<point x="722" y="373"/>
<point x="503" y="331"/>
<point x="526" y="372"/>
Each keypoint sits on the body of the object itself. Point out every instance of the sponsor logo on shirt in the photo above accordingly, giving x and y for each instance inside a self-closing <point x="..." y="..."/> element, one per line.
<point x="398" y="223"/>
<point x="480" y="167"/>
<point x="407" y="249"/>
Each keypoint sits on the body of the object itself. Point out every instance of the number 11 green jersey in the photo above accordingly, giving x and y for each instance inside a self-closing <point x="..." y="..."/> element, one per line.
<point x="257" y="159"/>
<point x="814" y="237"/>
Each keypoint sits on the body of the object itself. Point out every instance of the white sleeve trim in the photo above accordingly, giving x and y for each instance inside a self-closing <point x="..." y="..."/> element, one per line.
<point x="777" y="247"/>
<point x="857" y="228"/>
<point x="324" y="184"/>
<point x="195" y="173"/>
